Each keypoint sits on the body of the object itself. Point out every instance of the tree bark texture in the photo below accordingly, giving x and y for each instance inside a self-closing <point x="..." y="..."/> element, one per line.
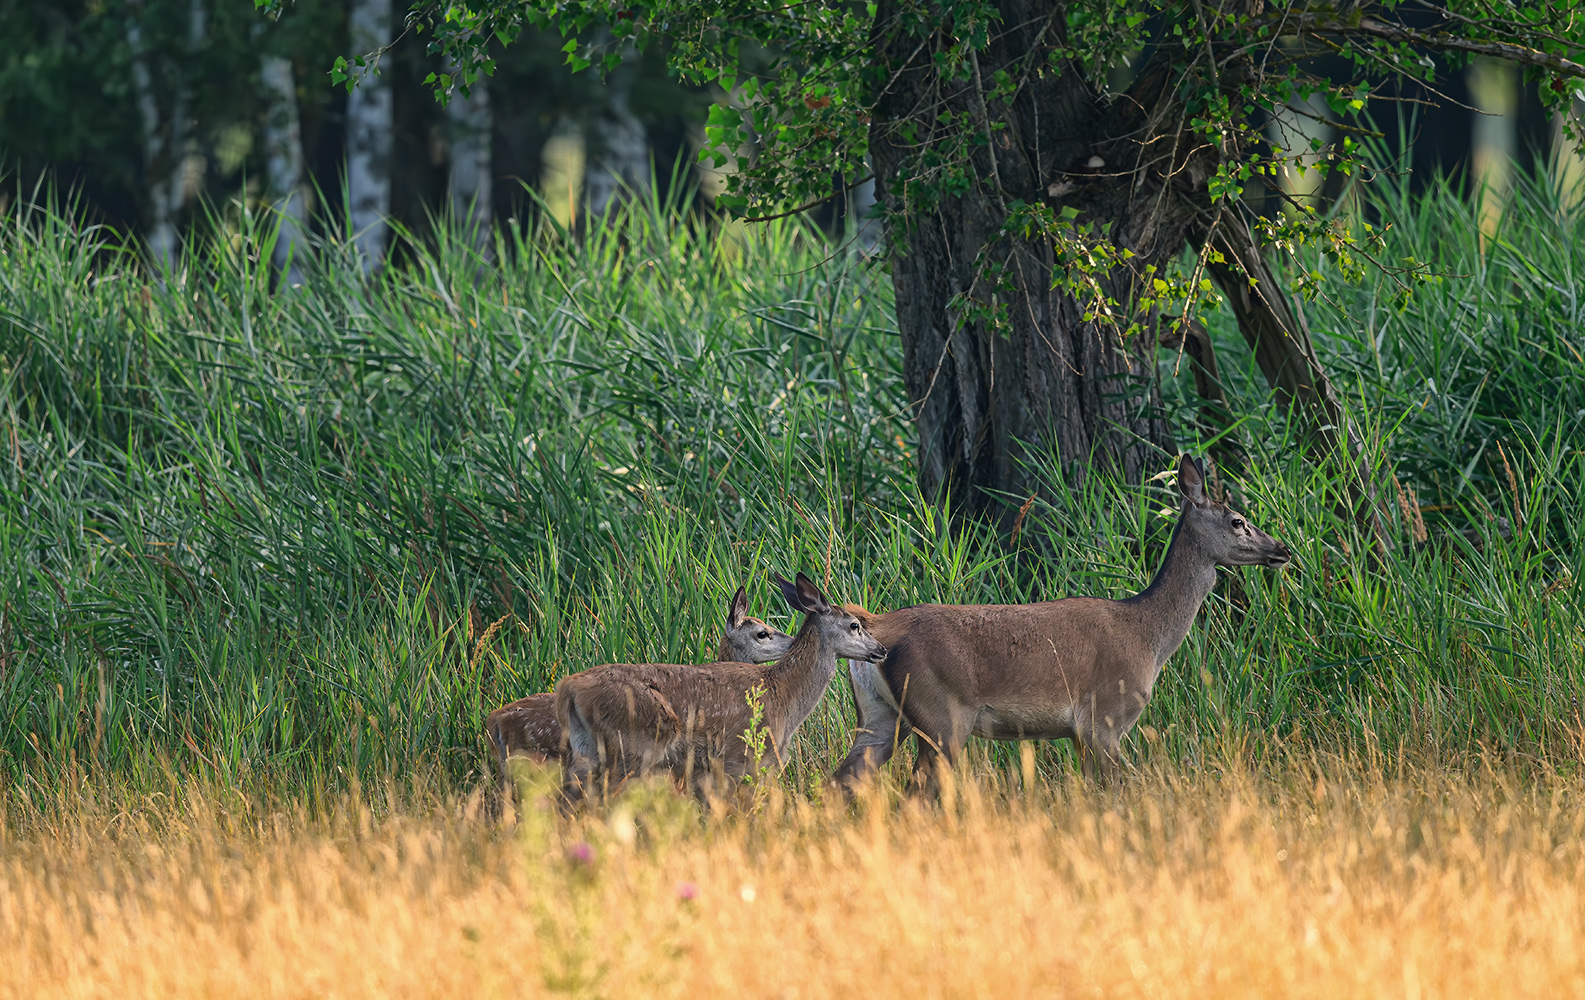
<point x="369" y="119"/>
<point x="1051" y="383"/>
<point x="471" y="192"/>
<point x="1034" y="372"/>
<point x="283" y="152"/>
<point x="157" y="166"/>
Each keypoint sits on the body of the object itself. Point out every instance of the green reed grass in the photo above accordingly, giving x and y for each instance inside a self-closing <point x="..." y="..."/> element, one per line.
<point x="299" y="537"/>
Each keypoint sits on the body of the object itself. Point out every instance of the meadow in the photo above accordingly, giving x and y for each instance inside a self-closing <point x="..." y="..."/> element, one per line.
<point x="268" y="555"/>
<point x="1324" y="876"/>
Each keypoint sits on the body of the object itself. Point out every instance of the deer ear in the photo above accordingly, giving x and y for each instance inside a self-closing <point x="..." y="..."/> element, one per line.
<point x="1191" y="481"/>
<point x="738" y="609"/>
<point x="814" y="602"/>
<point x="789" y="593"/>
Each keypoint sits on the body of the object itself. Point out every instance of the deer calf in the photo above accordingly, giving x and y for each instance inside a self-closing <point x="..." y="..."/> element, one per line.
<point x="623" y="720"/>
<point x="528" y="726"/>
<point x="1081" y="668"/>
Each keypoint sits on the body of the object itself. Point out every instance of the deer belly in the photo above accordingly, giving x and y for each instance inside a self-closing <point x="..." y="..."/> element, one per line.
<point x="1007" y="722"/>
<point x="870" y="688"/>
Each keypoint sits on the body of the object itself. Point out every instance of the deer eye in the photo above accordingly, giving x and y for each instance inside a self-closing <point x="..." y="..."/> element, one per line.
<point x="854" y="627"/>
<point x="1238" y="522"/>
<point x="763" y="635"/>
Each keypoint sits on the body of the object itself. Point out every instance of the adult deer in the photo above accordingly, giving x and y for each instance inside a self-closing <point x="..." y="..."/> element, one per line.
<point x="1081" y="668"/>
<point x="528" y="726"/>
<point x="622" y="720"/>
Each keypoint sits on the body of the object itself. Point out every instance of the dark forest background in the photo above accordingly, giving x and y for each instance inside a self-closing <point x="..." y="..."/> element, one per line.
<point x="71" y="121"/>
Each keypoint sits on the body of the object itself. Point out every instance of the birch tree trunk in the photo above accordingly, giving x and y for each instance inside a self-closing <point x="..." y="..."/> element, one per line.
<point x="283" y="150"/>
<point x="471" y="189"/>
<point x="861" y="208"/>
<point x="187" y="172"/>
<point x="172" y="165"/>
<point x="369" y="122"/>
<point x="618" y="163"/>
<point x="157" y="161"/>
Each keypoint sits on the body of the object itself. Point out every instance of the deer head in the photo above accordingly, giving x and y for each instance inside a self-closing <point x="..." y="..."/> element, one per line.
<point x="839" y="630"/>
<point x="1219" y="531"/>
<point x="749" y="639"/>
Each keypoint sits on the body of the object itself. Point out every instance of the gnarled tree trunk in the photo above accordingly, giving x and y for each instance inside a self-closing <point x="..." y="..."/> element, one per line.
<point x="1049" y="382"/>
<point x="1006" y="367"/>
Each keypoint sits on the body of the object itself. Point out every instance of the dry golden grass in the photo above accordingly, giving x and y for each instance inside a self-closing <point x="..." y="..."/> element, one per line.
<point x="1312" y="878"/>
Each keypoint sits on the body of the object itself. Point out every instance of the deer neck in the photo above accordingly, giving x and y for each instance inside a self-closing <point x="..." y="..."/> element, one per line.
<point x="1168" y="606"/>
<point x="796" y="683"/>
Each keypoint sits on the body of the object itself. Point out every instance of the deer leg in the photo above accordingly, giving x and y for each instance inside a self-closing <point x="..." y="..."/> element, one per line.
<point x="1099" y="735"/>
<point x="1101" y="759"/>
<point x="937" y="743"/>
<point x="925" y="780"/>
<point x="881" y="729"/>
<point x="578" y="775"/>
<point x="871" y="751"/>
<point x="583" y="765"/>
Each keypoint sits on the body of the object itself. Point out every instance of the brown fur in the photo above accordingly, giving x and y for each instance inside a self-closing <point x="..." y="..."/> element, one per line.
<point x="528" y="727"/>
<point x="1081" y="668"/>
<point x="621" y="720"/>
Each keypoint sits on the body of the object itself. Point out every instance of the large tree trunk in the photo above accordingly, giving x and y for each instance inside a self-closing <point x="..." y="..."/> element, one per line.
<point x="996" y="396"/>
<point x="283" y="151"/>
<point x="369" y="120"/>
<point x="1007" y="365"/>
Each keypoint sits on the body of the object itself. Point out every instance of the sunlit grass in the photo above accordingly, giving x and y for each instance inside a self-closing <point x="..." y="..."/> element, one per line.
<point x="1316" y="876"/>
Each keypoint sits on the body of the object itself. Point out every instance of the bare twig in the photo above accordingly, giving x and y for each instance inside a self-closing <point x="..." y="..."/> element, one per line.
<point x="1371" y="27"/>
<point x="808" y="205"/>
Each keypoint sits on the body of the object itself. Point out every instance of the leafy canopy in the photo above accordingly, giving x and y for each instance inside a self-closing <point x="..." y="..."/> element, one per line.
<point x="798" y="78"/>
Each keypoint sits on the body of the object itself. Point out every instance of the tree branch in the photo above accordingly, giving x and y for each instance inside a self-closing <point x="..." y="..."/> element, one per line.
<point x="1280" y="339"/>
<point x="808" y="205"/>
<point x="1386" y="31"/>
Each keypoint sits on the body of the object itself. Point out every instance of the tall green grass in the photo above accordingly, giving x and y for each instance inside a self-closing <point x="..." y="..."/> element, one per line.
<point x="311" y="535"/>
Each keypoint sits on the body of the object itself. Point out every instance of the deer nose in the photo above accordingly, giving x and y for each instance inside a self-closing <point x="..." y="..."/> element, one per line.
<point x="1281" y="556"/>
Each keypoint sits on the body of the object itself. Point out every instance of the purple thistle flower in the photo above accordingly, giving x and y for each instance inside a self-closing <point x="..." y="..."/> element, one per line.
<point x="686" y="891"/>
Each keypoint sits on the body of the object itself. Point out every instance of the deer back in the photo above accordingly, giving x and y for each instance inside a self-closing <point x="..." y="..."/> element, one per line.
<point x="527" y="726"/>
<point x="648" y="714"/>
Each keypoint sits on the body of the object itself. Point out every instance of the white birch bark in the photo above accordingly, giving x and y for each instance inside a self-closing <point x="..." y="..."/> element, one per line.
<point x="471" y="189"/>
<point x="1494" y="138"/>
<point x="156" y="166"/>
<point x="188" y="164"/>
<point x="618" y="164"/>
<point x="1568" y="159"/>
<point x="861" y="208"/>
<point x="172" y="165"/>
<point x="369" y="124"/>
<point x="283" y="149"/>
